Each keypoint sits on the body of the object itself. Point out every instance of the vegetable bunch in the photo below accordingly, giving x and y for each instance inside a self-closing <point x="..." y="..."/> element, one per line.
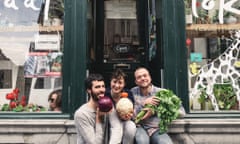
<point x="167" y="110"/>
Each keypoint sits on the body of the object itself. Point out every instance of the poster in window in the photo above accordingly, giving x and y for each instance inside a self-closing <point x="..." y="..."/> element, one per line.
<point x="39" y="64"/>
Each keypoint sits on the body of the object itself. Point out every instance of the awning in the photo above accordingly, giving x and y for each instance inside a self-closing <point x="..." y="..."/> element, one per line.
<point x="16" y="48"/>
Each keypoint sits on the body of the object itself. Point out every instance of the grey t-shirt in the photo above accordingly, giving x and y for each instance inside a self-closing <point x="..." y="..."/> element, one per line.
<point x="88" y="131"/>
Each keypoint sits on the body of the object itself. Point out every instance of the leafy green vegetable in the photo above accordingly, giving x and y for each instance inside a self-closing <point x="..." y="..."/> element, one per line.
<point x="167" y="110"/>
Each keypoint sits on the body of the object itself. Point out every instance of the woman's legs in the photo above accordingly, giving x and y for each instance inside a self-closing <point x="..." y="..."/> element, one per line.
<point x="129" y="131"/>
<point x="141" y="136"/>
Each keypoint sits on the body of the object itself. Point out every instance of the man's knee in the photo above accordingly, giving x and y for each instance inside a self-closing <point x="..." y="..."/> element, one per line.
<point x="130" y="127"/>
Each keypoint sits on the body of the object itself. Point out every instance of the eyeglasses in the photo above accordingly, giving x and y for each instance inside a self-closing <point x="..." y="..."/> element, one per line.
<point x="51" y="100"/>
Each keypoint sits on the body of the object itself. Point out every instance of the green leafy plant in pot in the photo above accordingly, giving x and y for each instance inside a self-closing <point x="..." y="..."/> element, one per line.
<point x="204" y="100"/>
<point x="225" y="96"/>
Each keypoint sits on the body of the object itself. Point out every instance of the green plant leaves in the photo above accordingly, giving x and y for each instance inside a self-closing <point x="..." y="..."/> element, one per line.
<point x="225" y="96"/>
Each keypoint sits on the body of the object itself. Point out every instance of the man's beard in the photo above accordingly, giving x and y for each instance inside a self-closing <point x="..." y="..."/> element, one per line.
<point x="95" y="97"/>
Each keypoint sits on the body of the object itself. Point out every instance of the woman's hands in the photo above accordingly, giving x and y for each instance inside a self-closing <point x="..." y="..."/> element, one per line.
<point x="126" y="117"/>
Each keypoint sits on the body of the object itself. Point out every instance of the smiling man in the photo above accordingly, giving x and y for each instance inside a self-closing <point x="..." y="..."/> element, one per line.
<point x="89" y="121"/>
<point x="144" y="93"/>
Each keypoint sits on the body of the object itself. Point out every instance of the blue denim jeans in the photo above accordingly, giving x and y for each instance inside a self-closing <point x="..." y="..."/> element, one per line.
<point x="143" y="138"/>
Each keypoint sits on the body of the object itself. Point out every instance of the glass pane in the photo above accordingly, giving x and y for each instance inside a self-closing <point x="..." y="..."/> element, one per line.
<point x="121" y="38"/>
<point x="5" y="79"/>
<point x="91" y="51"/>
<point x="31" y="50"/>
<point x="212" y="40"/>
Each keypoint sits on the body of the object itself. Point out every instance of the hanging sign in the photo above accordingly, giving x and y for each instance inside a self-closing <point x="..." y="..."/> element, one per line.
<point x="120" y="9"/>
<point x="49" y="42"/>
<point x="196" y="57"/>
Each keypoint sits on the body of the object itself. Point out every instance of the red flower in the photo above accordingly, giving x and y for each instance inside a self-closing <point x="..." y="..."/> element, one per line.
<point x="23" y="98"/>
<point x="23" y="101"/>
<point x="13" y="97"/>
<point x="10" y="96"/>
<point x="16" y="91"/>
<point x="13" y="104"/>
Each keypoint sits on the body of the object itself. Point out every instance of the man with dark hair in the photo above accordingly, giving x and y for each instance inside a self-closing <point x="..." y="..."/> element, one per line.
<point x="89" y="121"/>
<point x="92" y="124"/>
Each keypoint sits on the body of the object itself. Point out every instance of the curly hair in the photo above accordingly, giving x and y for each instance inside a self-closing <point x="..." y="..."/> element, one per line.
<point x="118" y="74"/>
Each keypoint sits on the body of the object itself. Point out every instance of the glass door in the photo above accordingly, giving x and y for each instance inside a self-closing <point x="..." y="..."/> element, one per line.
<point x="124" y="37"/>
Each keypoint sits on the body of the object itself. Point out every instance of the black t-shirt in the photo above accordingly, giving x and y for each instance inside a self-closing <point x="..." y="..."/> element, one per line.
<point x="130" y="95"/>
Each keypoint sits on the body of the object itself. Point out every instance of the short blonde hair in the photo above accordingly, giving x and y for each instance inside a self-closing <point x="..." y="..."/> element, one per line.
<point x="139" y="68"/>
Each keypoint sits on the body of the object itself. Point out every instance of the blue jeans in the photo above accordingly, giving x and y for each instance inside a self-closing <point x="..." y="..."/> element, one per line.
<point x="143" y="138"/>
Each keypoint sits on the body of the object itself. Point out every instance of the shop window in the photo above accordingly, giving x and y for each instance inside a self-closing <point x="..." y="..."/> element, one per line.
<point x="31" y="51"/>
<point x="213" y="43"/>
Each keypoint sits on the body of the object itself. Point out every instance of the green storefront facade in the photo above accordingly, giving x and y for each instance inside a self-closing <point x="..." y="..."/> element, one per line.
<point x="84" y="42"/>
<point x="171" y="33"/>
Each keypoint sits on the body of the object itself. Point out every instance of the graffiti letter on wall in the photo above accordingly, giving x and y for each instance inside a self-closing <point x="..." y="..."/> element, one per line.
<point x="210" y="4"/>
<point x="10" y="4"/>
<point x="27" y="4"/>
<point x="206" y="4"/>
<point x="228" y="7"/>
<point x="30" y="4"/>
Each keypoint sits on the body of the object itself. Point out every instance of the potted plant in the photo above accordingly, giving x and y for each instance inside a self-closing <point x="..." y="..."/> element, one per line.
<point x="19" y="104"/>
<point x="204" y="100"/>
<point x="225" y="96"/>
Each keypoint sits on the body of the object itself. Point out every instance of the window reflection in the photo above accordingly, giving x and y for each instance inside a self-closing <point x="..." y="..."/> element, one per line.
<point x="213" y="57"/>
<point x="31" y="35"/>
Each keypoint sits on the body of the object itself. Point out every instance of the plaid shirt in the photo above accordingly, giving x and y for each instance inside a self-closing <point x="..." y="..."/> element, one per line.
<point x="150" y="124"/>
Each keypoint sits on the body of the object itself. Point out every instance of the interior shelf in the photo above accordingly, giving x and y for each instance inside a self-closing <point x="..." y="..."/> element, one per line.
<point x="210" y="30"/>
<point x="212" y="27"/>
<point x="31" y="28"/>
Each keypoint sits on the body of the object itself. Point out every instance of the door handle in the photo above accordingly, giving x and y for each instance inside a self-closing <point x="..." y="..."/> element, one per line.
<point x="121" y="66"/>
